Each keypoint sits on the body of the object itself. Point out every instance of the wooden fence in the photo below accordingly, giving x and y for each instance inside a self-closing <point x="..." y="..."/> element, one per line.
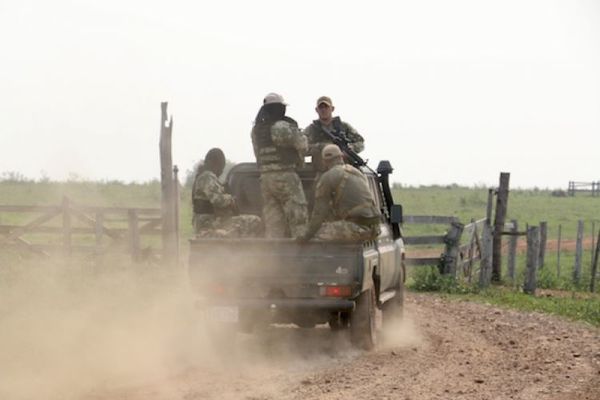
<point x="468" y="252"/>
<point x="70" y="227"/>
<point x="586" y="187"/>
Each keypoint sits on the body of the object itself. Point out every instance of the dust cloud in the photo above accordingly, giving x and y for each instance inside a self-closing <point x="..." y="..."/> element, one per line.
<point x="74" y="330"/>
<point x="66" y="331"/>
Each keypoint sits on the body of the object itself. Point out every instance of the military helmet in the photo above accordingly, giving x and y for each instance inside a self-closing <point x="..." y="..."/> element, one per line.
<point x="330" y="152"/>
<point x="274" y="98"/>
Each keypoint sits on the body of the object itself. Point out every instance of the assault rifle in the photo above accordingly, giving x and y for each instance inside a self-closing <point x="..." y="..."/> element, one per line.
<point x="341" y="141"/>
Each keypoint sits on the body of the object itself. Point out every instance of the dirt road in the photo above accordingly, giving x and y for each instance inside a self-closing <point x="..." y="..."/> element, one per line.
<point x="445" y="350"/>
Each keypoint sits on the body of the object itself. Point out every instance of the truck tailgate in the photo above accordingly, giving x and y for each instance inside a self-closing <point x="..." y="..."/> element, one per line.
<point x="272" y="268"/>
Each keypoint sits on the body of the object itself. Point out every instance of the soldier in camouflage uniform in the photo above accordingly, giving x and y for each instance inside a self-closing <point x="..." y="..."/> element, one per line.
<point x="214" y="210"/>
<point x="342" y="191"/>
<point x="279" y="147"/>
<point x="317" y="138"/>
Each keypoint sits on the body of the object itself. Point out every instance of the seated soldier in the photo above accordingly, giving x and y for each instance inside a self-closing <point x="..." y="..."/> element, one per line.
<point x="214" y="210"/>
<point x="343" y="194"/>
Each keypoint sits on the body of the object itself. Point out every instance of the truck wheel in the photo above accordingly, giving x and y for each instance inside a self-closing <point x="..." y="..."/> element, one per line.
<point x="363" y="326"/>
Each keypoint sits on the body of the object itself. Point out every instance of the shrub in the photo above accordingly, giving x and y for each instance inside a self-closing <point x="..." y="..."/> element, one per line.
<point x="429" y="279"/>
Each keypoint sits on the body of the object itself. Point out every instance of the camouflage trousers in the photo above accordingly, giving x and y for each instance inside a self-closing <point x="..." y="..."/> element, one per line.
<point x="207" y="225"/>
<point x="347" y="231"/>
<point x="285" y="212"/>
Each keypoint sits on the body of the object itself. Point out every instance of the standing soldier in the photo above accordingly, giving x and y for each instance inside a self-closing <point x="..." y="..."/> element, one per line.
<point x="317" y="138"/>
<point x="279" y="147"/>
<point x="214" y="210"/>
<point x="342" y="191"/>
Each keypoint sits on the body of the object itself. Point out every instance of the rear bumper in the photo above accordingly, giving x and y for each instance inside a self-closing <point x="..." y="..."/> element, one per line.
<point x="314" y="304"/>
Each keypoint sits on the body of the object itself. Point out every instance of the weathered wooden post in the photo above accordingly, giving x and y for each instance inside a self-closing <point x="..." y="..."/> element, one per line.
<point x="512" y="250"/>
<point x="67" y="231"/>
<point x="134" y="234"/>
<point x="533" y="255"/>
<point x="501" y="208"/>
<point x="485" y="268"/>
<point x="543" y="240"/>
<point x="452" y="240"/>
<point x="558" y="251"/>
<point x="169" y="240"/>
<point x="593" y="237"/>
<point x="595" y="265"/>
<point x="578" y="253"/>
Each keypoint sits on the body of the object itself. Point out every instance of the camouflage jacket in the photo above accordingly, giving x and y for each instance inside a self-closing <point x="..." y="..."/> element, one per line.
<point x="207" y="188"/>
<point x="342" y="191"/>
<point x="317" y="138"/>
<point x="286" y="135"/>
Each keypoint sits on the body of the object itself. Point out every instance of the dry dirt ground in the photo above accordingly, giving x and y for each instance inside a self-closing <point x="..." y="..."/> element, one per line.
<point x="444" y="350"/>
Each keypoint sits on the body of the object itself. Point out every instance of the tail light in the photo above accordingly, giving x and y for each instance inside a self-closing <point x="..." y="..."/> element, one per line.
<point x="335" y="291"/>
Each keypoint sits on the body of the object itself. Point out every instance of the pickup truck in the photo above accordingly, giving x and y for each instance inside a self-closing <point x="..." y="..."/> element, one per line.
<point x="254" y="282"/>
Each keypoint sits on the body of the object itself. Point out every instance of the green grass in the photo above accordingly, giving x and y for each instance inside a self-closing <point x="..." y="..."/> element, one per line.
<point x="572" y="307"/>
<point x="569" y="304"/>
<point x="526" y="206"/>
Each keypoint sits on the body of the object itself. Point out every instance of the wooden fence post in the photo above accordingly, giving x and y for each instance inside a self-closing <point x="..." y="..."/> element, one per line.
<point x="501" y="208"/>
<point x="578" y="253"/>
<point x="485" y="268"/>
<point x="558" y="251"/>
<point x="543" y="240"/>
<point x="595" y="265"/>
<point x="512" y="250"/>
<point x="593" y="237"/>
<point x="452" y="240"/>
<point x="67" y="232"/>
<point x="169" y="241"/>
<point x="134" y="235"/>
<point x="533" y="254"/>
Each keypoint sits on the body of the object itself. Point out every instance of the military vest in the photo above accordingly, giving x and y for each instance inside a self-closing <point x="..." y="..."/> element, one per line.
<point x="353" y="200"/>
<point x="339" y="130"/>
<point x="267" y="152"/>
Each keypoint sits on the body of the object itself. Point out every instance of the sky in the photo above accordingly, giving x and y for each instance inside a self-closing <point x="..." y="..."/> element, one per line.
<point x="448" y="91"/>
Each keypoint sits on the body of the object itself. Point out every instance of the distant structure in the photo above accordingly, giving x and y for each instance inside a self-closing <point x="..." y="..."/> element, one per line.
<point x="587" y="187"/>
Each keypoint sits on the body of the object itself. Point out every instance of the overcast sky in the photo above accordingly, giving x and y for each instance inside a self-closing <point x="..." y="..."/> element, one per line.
<point x="448" y="91"/>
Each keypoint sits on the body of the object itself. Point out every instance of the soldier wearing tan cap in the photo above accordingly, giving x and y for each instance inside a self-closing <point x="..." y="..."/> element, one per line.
<point x="317" y="138"/>
<point x="342" y="198"/>
<point x="279" y="147"/>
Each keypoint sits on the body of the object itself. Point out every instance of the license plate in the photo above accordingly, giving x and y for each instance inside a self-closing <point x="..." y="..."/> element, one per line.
<point x="227" y="314"/>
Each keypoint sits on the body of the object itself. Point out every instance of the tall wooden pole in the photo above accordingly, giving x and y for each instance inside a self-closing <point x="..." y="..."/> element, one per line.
<point x="166" y="179"/>
<point x="500" y="218"/>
